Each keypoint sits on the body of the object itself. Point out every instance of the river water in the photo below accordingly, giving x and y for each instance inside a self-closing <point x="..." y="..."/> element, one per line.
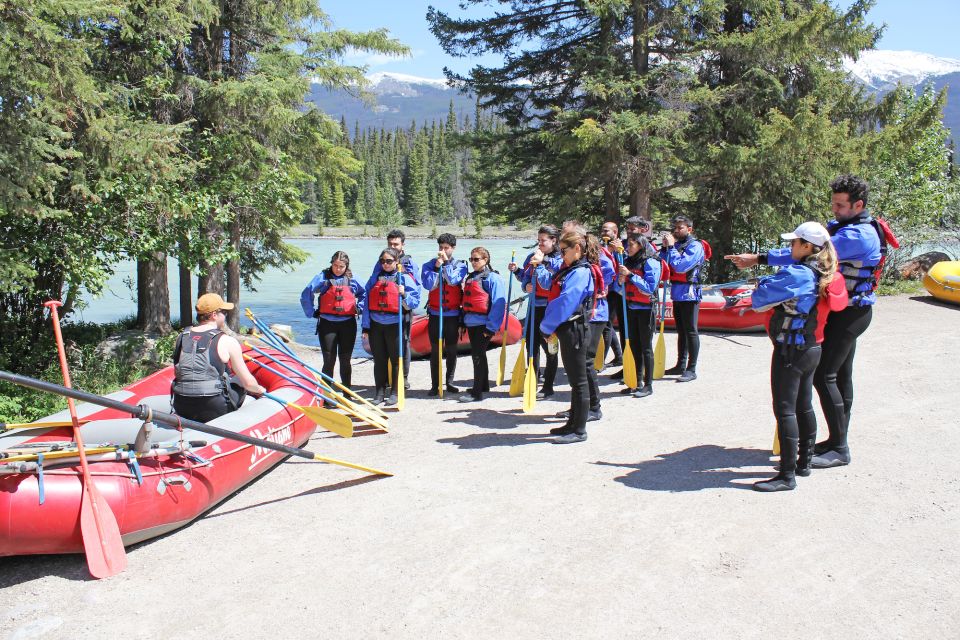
<point x="277" y="295"/>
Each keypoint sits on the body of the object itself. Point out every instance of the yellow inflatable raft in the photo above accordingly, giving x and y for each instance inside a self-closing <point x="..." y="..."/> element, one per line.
<point x="943" y="281"/>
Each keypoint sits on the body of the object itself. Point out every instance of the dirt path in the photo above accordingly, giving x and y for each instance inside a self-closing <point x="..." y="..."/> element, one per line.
<point x="648" y="529"/>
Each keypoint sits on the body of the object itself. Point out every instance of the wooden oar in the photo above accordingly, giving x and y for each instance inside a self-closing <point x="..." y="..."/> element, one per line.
<point x="102" y="543"/>
<point x="401" y="391"/>
<point x="598" y="359"/>
<point x="530" y="376"/>
<point x="440" y="381"/>
<point x="338" y="399"/>
<point x="329" y="420"/>
<point x="520" y="366"/>
<point x="52" y="424"/>
<point x="56" y="455"/>
<point x="776" y="440"/>
<point x="660" y="351"/>
<point x="320" y="374"/>
<point x="502" y="365"/>
<point x="143" y="412"/>
<point x="629" y="364"/>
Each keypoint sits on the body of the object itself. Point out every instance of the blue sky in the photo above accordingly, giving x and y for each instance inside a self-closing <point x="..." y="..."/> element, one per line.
<point x="928" y="26"/>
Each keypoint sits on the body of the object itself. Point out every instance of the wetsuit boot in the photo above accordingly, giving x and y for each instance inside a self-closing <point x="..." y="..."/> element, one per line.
<point x="807" y="422"/>
<point x="785" y="480"/>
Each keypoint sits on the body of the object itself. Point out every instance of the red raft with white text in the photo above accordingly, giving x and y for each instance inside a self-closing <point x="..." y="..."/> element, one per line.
<point x="420" y="346"/>
<point x="181" y="475"/>
<point x="724" y="310"/>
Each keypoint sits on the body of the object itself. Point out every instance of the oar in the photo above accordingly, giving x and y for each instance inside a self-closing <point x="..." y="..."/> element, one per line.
<point x="598" y="359"/>
<point x="776" y="440"/>
<point x="728" y="285"/>
<point x="338" y="399"/>
<point x="287" y="350"/>
<point x="53" y="424"/>
<point x="502" y="366"/>
<point x="440" y="381"/>
<point x="660" y="351"/>
<point x="329" y="420"/>
<point x="401" y="392"/>
<point x="520" y="366"/>
<point x="143" y="412"/>
<point x="629" y="364"/>
<point x="56" y="455"/>
<point x="102" y="543"/>
<point x="530" y="377"/>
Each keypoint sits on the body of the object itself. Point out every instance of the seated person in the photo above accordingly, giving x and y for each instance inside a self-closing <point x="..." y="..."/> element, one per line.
<point x="202" y="388"/>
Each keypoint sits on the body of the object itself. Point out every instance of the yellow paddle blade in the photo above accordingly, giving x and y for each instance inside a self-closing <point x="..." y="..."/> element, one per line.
<point x="9" y="426"/>
<point x="389" y="372"/>
<point x="355" y="409"/>
<point x="629" y="366"/>
<point x="659" y="356"/>
<point x="440" y="382"/>
<point x="530" y="388"/>
<point x="54" y="455"/>
<point x="776" y="441"/>
<point x="401" y="392"/>
<point x="519" y="372"/>
<point x="362" y="401"/>
<point x="344" y="463"/>
<point x="598" y="359"/>
<point x="329" y="420"/>
<point x="502" y="365"/>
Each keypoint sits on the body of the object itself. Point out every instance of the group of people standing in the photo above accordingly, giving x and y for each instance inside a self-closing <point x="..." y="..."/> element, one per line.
<point x="586" y="287"/>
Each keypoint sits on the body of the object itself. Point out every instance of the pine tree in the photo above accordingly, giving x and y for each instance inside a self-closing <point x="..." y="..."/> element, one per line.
<point x="337" y="211"/>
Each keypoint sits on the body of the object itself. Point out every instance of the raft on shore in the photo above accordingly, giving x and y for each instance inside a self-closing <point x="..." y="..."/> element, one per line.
<point x="942" y="281"/>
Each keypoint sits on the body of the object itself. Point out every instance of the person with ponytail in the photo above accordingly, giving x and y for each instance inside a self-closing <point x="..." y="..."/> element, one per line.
<point x="548" y="255"/>
<point x="484" y="304"/>
<point x="640" y="276"/>
<point x="338" y="305"/>
<point x="388" y="293"/>
<point x="572" y="302"/>
<point x="801" y="296"/>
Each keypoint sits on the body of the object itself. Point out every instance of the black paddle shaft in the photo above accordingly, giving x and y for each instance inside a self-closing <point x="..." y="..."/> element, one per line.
<point x="144" y="412"/>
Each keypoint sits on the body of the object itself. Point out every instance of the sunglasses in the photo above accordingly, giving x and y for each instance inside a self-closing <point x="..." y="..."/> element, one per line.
<point x="564" y="249"/>
<point x="477" y="259"/>
<point x="387" y="260"/>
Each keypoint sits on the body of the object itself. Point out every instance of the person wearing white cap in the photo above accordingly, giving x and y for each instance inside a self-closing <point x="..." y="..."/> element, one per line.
<point x="202" y="387"/>
<point x="794" y="294"/>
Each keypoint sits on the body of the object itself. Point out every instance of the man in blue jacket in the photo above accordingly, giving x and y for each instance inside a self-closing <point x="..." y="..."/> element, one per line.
<point x="686" y="258"/>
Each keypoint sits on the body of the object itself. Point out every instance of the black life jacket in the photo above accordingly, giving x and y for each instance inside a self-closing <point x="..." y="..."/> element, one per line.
<point x="861" y="278"/>
<point x="199" y="372"/>
<point x="790" y="329"/>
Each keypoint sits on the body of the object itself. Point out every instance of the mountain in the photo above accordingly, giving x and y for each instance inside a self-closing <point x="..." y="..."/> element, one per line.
<point x="400" y="100"/>
<point x="881" y="70"/>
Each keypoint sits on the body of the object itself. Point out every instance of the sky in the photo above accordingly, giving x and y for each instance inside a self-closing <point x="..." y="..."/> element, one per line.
<point x="927" y="26"/>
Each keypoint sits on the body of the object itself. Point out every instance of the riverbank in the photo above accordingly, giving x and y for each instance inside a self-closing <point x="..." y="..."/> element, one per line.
<point x="469" y="232"/>
<point x="648" y="528"/>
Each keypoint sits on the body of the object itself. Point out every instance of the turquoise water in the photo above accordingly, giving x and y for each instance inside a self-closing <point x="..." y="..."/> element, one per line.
<point x="277" y="298"/>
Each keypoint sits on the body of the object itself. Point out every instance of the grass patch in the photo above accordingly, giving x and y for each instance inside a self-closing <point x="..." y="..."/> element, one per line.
<point x="899" y="287"/>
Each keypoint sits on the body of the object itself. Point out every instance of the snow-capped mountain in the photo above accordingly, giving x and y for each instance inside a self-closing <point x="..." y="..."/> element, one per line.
<point x="881" y="70"/>
<point x="386" y="81"/>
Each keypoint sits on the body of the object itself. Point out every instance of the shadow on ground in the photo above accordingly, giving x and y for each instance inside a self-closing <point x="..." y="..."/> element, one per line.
<point x="490" y="419"/>
<point x="706" y="466"/>
<point x="487" y="440"/>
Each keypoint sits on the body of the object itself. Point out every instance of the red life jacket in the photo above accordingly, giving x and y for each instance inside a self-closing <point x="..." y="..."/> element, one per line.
<point x="694" y="273"/>
<point x="452" y="296"/>
<point x="475" y="297"/>
<point x="556" y="285"/>
<point x="633" y="292"/>
<point x="385" y="296"/>
<point x="539" y="291"/>
<point x="338" y="300"/>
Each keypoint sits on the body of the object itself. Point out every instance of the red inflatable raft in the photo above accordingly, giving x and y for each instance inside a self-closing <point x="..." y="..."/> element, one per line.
<point x="724" y="310"/>
<point x="420" y="342"/>
<point x="167" y="488"/>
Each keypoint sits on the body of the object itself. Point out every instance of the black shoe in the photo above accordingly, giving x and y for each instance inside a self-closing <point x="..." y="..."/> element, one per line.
<point x="378" y="397"/>
<point x="406" y="384"/>
<point x="822" y="447"/>
<point x="561" y="431"/>
<point x="391" y="400"/>
<point x="626" y="391"/>
<point x="593" y="416"/>
<point x="675" y="371"/>
<point x="563" y="414"/>
<point x="643" y="392"/>
<point x="831" y="459"/>
<point x="776" y="483"/>
<point x="327" y="404"/>
<point x="616" y="362"/>
<point x="452" y="389"/>
<point x="570" y="438"/>
<point x="544" y="393"/>
<point x="434" y="392"/>
<point x="617" y="376"/>
<point x="687" y="376"/>
<point x="469" y="397"/>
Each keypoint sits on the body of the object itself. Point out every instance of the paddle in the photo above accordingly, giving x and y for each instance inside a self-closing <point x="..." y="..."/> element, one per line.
<point x="530" y="377"/>
<point x="143" y="412"/>
<point x="341" y="402"/>
<point x="629" y="364"/>
<point x="520" y="366"/>
<point x="10" y="426"/>
<point x="502" y="366"/>
<point x="279" y="344"/>
<point x="102" y="543"/>
<point x="660" y="351"/>
<point x="776" y="441"/>
<point x="401" y="392"/>
<point x="329" y="420"/>
<point x="598" y="359"/>
<point x="440" y="382"/>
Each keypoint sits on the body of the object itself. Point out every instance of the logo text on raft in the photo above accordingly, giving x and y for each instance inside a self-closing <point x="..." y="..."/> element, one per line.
<point x="280" y="436"/>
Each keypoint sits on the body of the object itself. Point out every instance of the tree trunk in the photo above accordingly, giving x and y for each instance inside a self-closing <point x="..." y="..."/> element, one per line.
<point x="211" y="279"/>
<point x="233" y="279"/>
<point x="186" y="296"/>
<point x="153" y="295"/>
<point x="611" y="206"/>
<point x="640" y="195"/>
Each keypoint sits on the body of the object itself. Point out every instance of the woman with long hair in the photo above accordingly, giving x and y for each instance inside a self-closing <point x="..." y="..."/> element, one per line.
<point x="484" y="304"/>
<point x="339" y="302"/>
<point x="388" y="292"/>
<point x="640" y="276"/>
<point x="801" y="296"/>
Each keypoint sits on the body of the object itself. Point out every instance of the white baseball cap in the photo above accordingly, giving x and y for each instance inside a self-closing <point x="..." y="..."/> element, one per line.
<point x="813" y="232"/>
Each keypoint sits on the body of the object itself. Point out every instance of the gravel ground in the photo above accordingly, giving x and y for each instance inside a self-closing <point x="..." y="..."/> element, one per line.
<point x="647" y="529"/>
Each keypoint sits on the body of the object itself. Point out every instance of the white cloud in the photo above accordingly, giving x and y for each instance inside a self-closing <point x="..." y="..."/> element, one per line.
<point x="358" y="58"/>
